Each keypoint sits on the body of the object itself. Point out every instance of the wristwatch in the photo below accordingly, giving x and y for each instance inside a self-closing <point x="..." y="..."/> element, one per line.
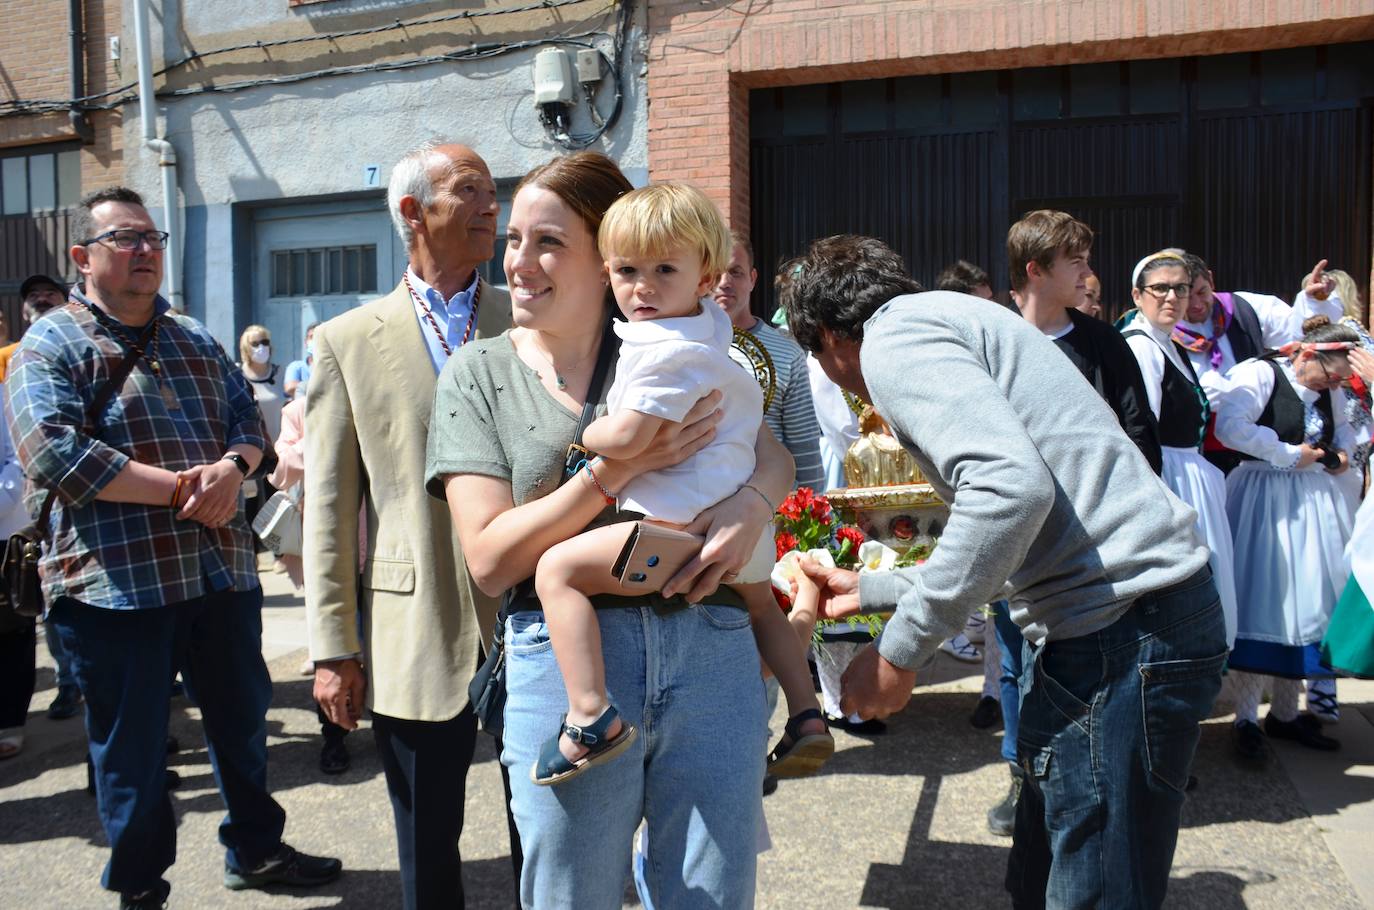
<point x="239" y="462"/>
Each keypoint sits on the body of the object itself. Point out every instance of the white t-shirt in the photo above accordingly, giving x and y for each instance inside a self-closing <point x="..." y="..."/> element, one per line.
<point x="665" y="367"/>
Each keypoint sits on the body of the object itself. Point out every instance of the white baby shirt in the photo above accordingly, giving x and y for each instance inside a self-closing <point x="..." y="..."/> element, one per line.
<point x="665" y="367"/>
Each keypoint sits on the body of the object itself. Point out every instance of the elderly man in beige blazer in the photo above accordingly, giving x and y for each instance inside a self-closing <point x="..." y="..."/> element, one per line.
<point x="397" y="627"/>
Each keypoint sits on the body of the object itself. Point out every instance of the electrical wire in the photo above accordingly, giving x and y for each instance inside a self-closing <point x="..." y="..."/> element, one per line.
<point x="127" y="93"/>
<point x="615" y="66"/>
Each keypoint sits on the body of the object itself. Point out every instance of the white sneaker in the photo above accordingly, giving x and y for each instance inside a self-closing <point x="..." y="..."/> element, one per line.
<point x="976" y="627"/>
<point x="960" y="648"/>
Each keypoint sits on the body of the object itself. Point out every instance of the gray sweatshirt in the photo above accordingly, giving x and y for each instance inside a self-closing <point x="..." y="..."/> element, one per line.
<point x="1051" y="505"/>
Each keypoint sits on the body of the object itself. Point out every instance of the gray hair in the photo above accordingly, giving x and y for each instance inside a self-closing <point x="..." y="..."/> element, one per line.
<point x="410" y="177"/>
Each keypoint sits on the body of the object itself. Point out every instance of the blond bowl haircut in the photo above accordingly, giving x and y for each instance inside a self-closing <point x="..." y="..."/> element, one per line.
<point x="657" y="219"/>
<point x="246" y="349"/>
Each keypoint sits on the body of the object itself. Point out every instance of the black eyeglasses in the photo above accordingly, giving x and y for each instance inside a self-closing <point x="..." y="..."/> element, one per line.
<point x="1161" y="291"/>
<point x="129" y="239"/>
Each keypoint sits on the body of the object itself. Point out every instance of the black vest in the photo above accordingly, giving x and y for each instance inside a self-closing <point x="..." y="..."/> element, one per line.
<point x="1244" y="332"/>
<point x="1285" y="414"/>
<point x="1183" y="406"/>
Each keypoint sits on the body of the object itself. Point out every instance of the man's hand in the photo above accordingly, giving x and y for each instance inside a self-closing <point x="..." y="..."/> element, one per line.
<point x="214" y="495"/>
<point x="839" y="589"/>
<point x="340" y="687"/>
<point x="872" y="687"/>
<point x="1319" y="285"/>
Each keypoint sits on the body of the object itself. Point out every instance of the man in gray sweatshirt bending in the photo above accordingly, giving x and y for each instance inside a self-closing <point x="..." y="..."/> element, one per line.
<point x="1054" y="508"/>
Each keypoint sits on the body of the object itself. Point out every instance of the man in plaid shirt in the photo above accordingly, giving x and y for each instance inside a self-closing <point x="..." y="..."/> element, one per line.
<point x="149" y="568"/>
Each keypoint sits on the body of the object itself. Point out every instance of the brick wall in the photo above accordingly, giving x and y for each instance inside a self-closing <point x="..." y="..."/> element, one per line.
<point x="35" y="66"/>
<point x="705" y="55"/>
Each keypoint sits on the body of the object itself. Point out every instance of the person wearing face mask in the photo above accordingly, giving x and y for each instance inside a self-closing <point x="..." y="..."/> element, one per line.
<point x="265" y="379"/>
<point x="1290" y="521"/>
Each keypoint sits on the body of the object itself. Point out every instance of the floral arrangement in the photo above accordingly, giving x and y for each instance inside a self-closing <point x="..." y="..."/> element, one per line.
<point x="806" y="525"/>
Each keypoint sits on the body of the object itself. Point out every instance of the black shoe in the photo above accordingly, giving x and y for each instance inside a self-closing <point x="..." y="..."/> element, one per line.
<point x="862" y="728"/>
<point x="286" y="867"/>
<point x="173" y="745"/>
<point x="987" y="713"/>
<point x="66" y="704"/>
<point x="1304" y="729"/>
<point x="770" y="785"/>
<point x="1002" y="817"/>
<point x="334" y="758"/>
<point x="1248" y="741"/>
<point x="172" y="779"/>
<point x="152" y="899"/>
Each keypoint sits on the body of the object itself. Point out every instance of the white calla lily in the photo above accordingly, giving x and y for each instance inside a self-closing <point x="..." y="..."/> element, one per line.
<point x="785" y="569"/>
<point x="875" y="556"/>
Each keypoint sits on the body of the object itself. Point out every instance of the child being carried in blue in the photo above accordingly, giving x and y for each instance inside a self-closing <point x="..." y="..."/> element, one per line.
<point x="664" y="246"/>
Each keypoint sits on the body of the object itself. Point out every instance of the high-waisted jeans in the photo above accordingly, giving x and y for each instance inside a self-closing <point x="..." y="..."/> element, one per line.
<point x="690" y="681"/>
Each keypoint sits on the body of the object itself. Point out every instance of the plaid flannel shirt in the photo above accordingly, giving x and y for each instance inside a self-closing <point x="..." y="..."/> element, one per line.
<point x="126" y="556"/>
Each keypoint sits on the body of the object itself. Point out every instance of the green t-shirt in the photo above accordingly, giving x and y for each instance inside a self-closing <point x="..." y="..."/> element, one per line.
<point x="492" y="416"/>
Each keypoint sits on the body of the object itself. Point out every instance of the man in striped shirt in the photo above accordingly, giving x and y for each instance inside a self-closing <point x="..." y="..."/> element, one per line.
<point x="790" y="414"/>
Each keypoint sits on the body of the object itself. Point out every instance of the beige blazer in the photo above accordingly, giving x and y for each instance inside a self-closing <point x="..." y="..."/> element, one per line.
<point x="367" y="419"/>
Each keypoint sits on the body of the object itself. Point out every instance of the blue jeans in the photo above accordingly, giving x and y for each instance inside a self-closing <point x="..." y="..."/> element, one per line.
<point x="1009" y="643"/>
<point x="59" y="657"/>
<point x="124" y="661"/>
<point x="690" y="681"/>
<point x="1108" y="728"/>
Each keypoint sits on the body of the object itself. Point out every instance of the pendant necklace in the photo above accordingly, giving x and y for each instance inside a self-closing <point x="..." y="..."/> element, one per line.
<point x="149" y="354"/>
<point x="558" y="379"/>
<point x="434" y="323"/>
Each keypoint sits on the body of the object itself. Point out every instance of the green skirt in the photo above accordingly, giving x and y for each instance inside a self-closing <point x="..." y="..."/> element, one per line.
<point x="1348" y="646"/>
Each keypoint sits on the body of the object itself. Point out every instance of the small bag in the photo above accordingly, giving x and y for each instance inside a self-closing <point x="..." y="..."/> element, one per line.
<point x="19" y="569"/>
<point x="23" y="589"/>
<point x="278" y="525"/>
<point x="487" y="690"/>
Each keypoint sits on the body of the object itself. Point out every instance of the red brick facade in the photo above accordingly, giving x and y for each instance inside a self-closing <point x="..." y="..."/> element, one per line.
<point x="705" y="55"/>
<point x="34" y="51"/>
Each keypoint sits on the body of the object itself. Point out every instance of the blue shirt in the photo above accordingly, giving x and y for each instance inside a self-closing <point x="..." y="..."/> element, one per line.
<point x="298" y="371"/>
<point x="452" y="316"/>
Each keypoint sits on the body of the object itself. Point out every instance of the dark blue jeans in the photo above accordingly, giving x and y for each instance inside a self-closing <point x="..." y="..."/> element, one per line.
<point x="1009" y="643"/>
<point x="1108" y="728"/>
<point x="124" y="661"/>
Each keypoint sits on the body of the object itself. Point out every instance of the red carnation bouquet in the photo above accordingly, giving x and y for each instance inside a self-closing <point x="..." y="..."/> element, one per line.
<point x="806" y="522"/>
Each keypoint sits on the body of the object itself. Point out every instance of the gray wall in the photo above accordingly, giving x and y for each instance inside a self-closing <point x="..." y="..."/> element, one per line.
<point x="311" y="140"/>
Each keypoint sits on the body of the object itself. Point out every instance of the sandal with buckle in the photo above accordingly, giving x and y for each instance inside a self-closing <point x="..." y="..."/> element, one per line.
<point x="553" y="767"/>
<point x="801" y="754"/>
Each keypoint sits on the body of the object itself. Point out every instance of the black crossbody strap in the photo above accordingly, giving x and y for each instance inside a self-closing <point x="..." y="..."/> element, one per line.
<point x="604" y="355"/>
<point x="102" y="398"/>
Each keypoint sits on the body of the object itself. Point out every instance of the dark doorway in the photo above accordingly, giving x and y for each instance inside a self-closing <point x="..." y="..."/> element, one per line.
<point x="1260" y="162"/>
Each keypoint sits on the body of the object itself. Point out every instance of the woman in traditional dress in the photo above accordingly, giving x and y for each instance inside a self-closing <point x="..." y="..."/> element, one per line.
<point x="1180" y="405"/>
<point x="1290" y="521"/>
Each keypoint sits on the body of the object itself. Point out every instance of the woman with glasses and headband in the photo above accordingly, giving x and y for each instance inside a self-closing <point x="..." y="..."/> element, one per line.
<point x="265" y="379"/>
<point x="1179" y="403"/>
<point x="1290" y="522"/>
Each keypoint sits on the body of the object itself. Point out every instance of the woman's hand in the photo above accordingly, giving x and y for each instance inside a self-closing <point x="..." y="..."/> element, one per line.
<point x="1307" y="456"/>
<point x="839" y="589"/>
<point x="1344" y="464"/>
<point x="731" y="528"/>
<point x="672" y="444"/>
<point x="1362" y="362"/>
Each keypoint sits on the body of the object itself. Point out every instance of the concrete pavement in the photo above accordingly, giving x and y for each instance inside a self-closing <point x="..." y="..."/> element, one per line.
<point x="894" y="822"/>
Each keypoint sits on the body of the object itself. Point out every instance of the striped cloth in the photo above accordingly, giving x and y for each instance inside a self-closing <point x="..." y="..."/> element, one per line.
<point x="125" y="556"/>
<point x="790" y="415"/>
